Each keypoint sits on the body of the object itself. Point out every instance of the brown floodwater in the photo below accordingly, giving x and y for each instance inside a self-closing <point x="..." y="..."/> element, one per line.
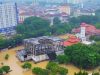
<point x="15" y="64"/>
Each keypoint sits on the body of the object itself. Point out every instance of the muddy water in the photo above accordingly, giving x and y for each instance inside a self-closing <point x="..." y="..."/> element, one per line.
<point x="15" y="64"/>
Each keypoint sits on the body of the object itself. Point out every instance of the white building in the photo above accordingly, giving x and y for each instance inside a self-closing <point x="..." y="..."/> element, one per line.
<point x="8" y="17"/>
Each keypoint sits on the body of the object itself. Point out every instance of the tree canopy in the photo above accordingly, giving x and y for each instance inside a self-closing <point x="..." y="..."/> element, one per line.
<point x="83" y="56"/>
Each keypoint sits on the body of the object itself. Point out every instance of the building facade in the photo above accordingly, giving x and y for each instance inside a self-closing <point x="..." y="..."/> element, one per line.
<point x="8" y="17"/>
<point x="38" y="49"/>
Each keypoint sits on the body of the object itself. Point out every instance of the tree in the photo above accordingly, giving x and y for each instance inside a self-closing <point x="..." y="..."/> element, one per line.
<point x="56" y="21"/>
<point x="33" y="26"/>
<point x="83" y="56"/>
<point x="81" y="73"/>
<point x="40" y="71"/>
<point x="63" y="71"/>
<point x="7" y="56"/>
<point x="52" y="66"/>
<point x="1" y="71"/>
<point x="6" y="69"/>
<point x="97" y="25"/>
<point x="96" y="73"/>
<point x="26" y="65"/>
<point x="62" y="59"/>
<point x="55" y="69"/>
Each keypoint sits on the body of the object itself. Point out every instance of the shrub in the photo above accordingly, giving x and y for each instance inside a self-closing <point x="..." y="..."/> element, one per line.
<point x="7" y="56"/>
<point x="27" y="65"/>
<point x="6" y="69"/>
<point x="40" y="71"/>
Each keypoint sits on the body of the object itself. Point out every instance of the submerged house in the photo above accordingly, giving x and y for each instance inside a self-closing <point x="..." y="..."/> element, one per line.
<point x="41" y="48"/>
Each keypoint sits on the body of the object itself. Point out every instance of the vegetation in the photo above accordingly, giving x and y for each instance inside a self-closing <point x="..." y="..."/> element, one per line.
<point x="81" y="73"/>
<point x="83" y="56"/>
<point x="63" y="59"/>
<point x="40" y="71"/>
<point x="56" y="21"/>
<point x="4" y="69"/>
<point x="26" y="65"/>
<point x="86" y="73"/>
<point x="6" y="56"/>
<point x="11" y="42"/>
<point x="56" y="69"/>
<point x="96" y="73"/>
<point x="33" y="27"/>
<point x="52" y="68"/>
<point x="1" y="71"/>
<point x="95" y="38"/>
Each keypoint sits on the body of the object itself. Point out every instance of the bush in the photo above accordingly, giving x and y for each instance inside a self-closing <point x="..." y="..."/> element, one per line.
<point x="55" y="69"/>
<point x="7" y="56"/>
<point x="52" y="66"/>
<point x="27" y="65"/>
<point x="6" y="69"/>
<point x="63" y="71"/>
<point x="40" y="71"/>
<point x="81" y="73"/>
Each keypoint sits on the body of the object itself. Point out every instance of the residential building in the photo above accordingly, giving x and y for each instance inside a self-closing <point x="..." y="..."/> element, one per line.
<point x="8" y="17"/>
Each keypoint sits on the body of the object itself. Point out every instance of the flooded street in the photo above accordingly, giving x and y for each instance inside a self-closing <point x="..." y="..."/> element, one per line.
<point x="15" y="64"/>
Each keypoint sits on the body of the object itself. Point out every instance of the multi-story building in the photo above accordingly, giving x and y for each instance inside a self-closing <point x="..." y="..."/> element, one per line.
<point x="8" y="17"/>
<point x="41" y="48"/>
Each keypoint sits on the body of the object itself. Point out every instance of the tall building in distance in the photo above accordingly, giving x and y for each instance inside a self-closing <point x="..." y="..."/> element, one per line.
<point x="8" y="17"/>
<point x="74" y="1"/>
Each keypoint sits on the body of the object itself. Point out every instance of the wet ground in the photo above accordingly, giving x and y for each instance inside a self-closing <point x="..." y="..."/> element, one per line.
<point x="15" y="64"/>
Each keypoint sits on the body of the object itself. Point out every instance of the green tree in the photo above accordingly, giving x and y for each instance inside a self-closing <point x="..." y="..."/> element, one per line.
<point x="1" y="71"/>
<point x="63" y="71"/>
<point x="6" y="56"/>
<point x="53" y="67"/>
<point x="56" y="21"/>
<point x="6" y="69"/>
<point x="81" y="73"/>
<point x="83" y="56"/>
<point x="40" y="71"/>
<point x="26" y="65"/>
<point x="97" y="25"/>
<point x="33" y="26"/>
<point x="62" y="59"/>
<point x="96" y="73"/>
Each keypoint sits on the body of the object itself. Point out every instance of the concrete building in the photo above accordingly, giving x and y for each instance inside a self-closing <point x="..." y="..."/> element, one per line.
<point x="8" y="17"/>
<point x="41" y="48"/>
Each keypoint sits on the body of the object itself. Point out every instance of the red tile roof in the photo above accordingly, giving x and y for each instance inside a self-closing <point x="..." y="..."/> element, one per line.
<point x="72" y="40"/>
<point x="90" y="29"/>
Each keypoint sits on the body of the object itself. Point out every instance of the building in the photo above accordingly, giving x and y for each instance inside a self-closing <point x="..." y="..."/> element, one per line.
<point x="65" y="9"/>
<point x="72" y="39"/>
<point x="41" y="48"/>
<point x="8" y="17"/>
<point x="74" y="1"/>
<point x="89" y="29"/>
<point x="80" y="12"/>
<point x="24" y="15"/>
